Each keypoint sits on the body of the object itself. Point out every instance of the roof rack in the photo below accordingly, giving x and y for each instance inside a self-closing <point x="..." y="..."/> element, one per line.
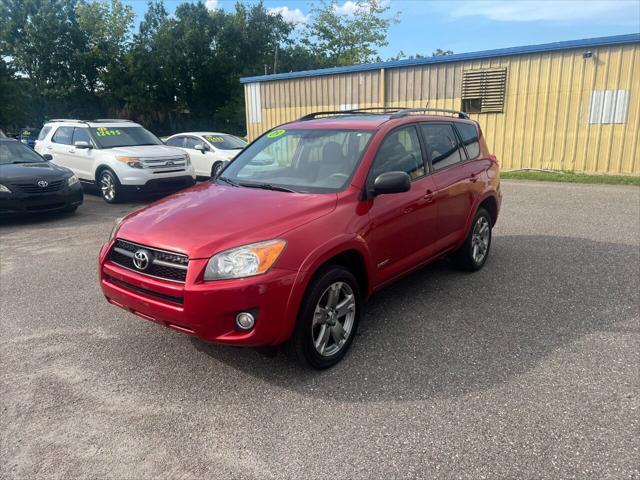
<point x="111" y="120"/>
<point x="395" y="112"/>
<point x="65" y="120"/>
<point x="408" y="111"/>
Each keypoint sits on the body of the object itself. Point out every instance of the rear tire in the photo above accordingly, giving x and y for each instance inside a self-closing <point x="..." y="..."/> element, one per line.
<point x="109" y="187"/>
<point x="328" y="318"/>
<point x="474" y="252"/>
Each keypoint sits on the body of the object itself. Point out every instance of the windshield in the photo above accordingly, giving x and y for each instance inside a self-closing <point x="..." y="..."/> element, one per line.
<point x="15" y="152"/>
<point x="110" y="137"/>
<point x="300" y="160"/>
<point x="225" y="142"/>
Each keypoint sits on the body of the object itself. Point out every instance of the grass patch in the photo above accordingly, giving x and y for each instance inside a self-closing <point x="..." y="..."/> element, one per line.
<point x="570" y="177"/>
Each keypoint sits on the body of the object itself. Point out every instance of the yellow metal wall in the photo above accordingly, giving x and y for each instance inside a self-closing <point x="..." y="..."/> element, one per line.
<point x="545" y="120"/>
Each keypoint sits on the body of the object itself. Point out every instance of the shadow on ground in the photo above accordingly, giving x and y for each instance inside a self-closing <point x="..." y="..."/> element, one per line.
<point x="443" y="332"/>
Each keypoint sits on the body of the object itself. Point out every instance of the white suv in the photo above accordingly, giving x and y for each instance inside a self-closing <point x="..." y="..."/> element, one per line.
<point x="119" y="156"/>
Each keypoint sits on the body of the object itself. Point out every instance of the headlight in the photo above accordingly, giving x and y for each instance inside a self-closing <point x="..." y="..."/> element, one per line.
<point x="72" y="180"/>
<point x="245" y="261"/>
<point x="114" y="230"/>
<point x="133" y="162"/>
<point x="4" y="189"/>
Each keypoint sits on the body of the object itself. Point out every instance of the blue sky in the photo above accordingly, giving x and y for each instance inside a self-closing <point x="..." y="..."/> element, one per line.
<point x="472" y="25"/>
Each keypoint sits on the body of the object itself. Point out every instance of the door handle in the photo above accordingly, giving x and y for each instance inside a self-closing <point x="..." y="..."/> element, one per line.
<point x="428" y="196"/>
<point x="49" y="147"/>
<point x="72" y="150"/>
<point x="473" y="178"/>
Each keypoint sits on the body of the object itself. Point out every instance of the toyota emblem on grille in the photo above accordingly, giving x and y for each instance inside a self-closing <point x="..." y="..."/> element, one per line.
<point x="142" y="259"/>
<point x="43" y="183"/>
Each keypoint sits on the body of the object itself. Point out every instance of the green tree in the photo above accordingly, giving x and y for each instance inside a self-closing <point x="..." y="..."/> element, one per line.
<point x="336" y="38"/>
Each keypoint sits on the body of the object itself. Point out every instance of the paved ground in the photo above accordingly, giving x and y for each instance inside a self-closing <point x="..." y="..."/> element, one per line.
<point x="528" y="369"/>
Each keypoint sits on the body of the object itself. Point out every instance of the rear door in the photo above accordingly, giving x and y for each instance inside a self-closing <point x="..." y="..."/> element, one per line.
<point x="403" y="225"/>
<point x="453" y="196"/>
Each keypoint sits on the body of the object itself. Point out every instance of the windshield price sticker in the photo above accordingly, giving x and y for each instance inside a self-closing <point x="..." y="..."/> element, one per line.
<point x="215" y="139"/>
<point x="106" y="132"/>
<point x="276" y="133"/>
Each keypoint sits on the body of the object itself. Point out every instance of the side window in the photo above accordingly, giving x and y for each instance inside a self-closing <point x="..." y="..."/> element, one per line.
<point x="63" y="135"/>
<point x="469" y="135"/>
<point x="43" y="133"/>
<point x="176" y="142"/>
<point x="81" y="135"/>
<point x="191" y="142"/>
<point x="442" y="144"/>
<point x="400" y="151"/>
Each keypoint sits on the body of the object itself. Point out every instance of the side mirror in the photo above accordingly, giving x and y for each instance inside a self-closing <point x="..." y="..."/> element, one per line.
<point x="391" y="182"/>
<point x="48" y="157"/>
<point x="81" y="144"/>
<point x="200" y="147"/>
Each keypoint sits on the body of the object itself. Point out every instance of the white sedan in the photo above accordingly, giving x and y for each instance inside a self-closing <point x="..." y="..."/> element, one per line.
<point x="208" y="150"/>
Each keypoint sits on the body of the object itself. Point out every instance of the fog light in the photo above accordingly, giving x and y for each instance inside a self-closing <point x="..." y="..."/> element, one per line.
<point x="245" y="321"/>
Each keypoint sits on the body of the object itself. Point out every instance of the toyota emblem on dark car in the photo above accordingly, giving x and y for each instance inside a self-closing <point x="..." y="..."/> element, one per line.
<point x="43" y="183"/>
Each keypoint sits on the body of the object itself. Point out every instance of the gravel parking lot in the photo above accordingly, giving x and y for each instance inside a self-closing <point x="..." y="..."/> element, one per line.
<point x="527" y="369"/>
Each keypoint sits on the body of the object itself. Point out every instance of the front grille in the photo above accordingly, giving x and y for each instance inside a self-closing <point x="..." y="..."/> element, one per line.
<point x="53" y="186"/>
<point x="165" y="165"/>
<point x="144" y="291"/>
<point x="165" y="265"/>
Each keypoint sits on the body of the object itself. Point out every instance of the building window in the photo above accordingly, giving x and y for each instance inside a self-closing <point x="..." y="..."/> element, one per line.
<point x="608" y="106"/>
<point x="483" y="91"/>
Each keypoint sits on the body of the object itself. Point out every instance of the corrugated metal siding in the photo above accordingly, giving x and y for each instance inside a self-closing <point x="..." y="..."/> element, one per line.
<point x="547" y="107"/>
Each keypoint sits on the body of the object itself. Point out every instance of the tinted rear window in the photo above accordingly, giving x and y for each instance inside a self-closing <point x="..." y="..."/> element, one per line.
<point x="469" y="135"/>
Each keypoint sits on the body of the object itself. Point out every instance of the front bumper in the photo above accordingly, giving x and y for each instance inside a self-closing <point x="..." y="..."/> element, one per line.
<point x="64" y="199"/>
<point x="206" y="310"/>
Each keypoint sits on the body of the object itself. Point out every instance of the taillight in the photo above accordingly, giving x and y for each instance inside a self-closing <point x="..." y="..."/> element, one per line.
<point x="494" y="159"/>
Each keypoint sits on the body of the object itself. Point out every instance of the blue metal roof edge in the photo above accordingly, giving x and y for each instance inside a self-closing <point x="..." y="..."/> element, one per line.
<point x="500" y="52"/>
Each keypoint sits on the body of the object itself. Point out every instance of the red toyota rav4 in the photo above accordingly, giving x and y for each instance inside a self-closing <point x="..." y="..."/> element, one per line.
<point x="288" y="242"/>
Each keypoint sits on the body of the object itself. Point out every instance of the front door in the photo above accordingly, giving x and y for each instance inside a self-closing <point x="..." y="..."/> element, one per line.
<point x="402" y="225"/>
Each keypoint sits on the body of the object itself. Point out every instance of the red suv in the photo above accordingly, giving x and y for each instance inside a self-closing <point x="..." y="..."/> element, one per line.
<point x="288" y="242"/>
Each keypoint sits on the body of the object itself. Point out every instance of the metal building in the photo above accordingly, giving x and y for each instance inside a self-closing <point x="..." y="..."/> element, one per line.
<point x="571" y="105"/>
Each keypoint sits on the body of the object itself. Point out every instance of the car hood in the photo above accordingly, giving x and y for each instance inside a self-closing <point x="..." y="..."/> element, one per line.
<point x="209" y="218"/>
<point x="146" y="151"/>
<point x="31" y="172"/>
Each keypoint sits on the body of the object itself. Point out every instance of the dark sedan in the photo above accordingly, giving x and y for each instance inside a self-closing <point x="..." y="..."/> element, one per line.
<point x="29" y="183"/>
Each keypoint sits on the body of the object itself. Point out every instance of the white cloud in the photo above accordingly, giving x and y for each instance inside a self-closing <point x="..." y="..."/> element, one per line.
<point x="350" y="8"/>
<point x="295" y="16"/>
<point x="212" y="4"/>
<point x="550" y="11"/>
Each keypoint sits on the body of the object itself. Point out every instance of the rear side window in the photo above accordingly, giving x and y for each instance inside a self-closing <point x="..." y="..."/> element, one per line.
<point x="469" y="135"/>
<point x="442" y="144"/>
<point x="81" y="135"/>
<point x="400" y="151"/>
<point x="176" y="142"/>
<point x="43" y="133"/>
<point x="63" y="135"/>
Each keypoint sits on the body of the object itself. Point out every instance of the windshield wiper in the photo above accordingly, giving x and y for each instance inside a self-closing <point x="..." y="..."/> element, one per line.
<point x="226" y="180"/>
<point x="267" y="186"/>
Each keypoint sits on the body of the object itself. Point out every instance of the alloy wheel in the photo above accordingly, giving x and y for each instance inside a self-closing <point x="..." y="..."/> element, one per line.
<point x="108" y="186"/>
<point x="480" y="239"/>
<point x="333" y="319"/>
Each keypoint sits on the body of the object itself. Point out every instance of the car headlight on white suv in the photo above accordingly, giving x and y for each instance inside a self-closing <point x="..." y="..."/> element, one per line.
<point x="244" y="261"/>
<point x="72" y="180"/>
<point x="133" y="162"/>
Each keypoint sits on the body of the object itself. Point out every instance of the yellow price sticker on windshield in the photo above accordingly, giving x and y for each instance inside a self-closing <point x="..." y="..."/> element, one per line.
<point x="276" y="133"/>
<point x="105" y="132"/>
<point x="215" y="139"/>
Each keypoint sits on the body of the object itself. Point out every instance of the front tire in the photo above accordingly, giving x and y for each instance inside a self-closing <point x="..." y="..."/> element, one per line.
<point x="474" y="252"/>
<point x="216" y="168"/>
<point x="109" y="186"/>
<point x="328" y="318"/>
